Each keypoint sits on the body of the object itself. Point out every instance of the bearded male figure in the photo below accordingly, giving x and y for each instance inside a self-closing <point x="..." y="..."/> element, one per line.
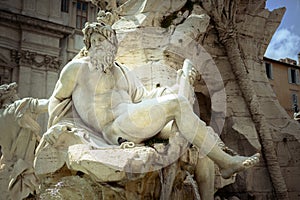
<point x="104" y="104"/>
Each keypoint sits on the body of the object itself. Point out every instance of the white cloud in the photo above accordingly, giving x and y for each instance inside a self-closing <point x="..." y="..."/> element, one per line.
<point x="284" y="44"/>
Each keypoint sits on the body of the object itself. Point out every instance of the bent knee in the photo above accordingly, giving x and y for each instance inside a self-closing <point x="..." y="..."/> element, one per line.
<point x="175" y="104"/>
<point x="180" y="104"/>
<point x="175" y="100"/>
<point x="183" y="100"/>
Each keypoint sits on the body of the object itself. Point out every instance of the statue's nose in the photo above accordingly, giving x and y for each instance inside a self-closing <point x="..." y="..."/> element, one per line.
<point x="99" y="42"/>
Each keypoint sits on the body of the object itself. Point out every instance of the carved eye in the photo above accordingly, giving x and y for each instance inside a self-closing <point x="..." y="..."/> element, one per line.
<point x="93" y="41"/>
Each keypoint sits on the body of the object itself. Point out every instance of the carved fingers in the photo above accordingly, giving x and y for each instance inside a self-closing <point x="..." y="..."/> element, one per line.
<point x="192" y="75"/>
<point x="189" y="71"/>
<point x="52" y="135"/>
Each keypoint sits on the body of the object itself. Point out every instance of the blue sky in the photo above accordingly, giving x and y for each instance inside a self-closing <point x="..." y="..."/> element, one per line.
<point x="286" y="40"/>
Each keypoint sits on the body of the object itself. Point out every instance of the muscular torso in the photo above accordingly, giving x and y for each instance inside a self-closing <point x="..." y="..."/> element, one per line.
<point x="99" y="97"/>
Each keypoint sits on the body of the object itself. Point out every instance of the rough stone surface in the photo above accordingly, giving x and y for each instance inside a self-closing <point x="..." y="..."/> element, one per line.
<point x="155" y="38"/>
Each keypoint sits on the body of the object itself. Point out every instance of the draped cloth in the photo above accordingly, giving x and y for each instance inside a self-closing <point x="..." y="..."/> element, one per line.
<point x="70" y="130"/>
<point x="19" y="136"/>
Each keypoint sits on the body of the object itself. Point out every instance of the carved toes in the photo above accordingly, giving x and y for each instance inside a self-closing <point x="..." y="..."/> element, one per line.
<point x="251" y="161"/>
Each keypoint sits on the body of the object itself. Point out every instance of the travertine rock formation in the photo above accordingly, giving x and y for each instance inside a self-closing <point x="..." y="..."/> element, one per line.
<point x="235" y="34"/>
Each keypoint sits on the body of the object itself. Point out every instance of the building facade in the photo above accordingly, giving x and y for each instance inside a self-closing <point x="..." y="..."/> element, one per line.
<point x="284" y="78"/>
<point x="37" y="38"/>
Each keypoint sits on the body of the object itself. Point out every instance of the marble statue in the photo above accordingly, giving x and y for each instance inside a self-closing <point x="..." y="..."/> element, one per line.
<point x="99" y="102"/>
<point x="19" y="135"/>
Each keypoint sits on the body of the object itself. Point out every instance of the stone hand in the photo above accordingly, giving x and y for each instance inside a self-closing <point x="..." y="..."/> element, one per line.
<point x="189" y="71"/>
<point x="53" y="133"/>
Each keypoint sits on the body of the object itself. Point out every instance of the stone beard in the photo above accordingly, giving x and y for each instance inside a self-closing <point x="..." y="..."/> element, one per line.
<point x="103" y="56"/>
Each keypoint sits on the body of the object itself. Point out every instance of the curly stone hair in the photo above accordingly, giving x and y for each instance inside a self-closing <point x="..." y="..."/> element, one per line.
<point x="101" y="28"/>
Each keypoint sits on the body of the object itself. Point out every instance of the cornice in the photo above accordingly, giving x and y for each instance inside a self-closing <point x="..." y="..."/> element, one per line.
<point x="59" y="29"/>
<point x="280" y="62"/>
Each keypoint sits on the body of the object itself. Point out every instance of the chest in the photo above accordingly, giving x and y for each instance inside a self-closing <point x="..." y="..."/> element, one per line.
<point x="97" y="82"/>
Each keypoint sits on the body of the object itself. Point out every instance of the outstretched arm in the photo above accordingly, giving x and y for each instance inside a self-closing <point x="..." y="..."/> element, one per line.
<point x="42" y="106"/>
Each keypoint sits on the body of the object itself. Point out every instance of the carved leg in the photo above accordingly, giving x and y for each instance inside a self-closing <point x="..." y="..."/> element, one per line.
<point x="205" y="177"/>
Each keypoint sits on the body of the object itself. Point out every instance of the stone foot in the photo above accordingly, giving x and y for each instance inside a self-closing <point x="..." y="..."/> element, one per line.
<point x="240" y="163"/>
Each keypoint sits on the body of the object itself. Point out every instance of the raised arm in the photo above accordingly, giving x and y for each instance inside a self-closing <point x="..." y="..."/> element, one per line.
<point x="184" y="84"/>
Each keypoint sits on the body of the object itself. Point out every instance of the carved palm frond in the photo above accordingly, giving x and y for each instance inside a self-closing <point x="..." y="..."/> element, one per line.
<point x="223" y="14"/>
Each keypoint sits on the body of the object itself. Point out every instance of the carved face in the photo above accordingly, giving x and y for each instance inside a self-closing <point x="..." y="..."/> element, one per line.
<point x="9" y="98"/>
<point x="102" y="52"/>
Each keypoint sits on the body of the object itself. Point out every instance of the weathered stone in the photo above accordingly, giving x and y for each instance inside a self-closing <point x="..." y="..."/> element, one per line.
<point x="155" y="38"/>
<point x="101" y="163"/>
<point x="261" y="185"/>
<point x="70" y="187"/>
<point x="246" y="127"/>
<point x="233" y="110"/>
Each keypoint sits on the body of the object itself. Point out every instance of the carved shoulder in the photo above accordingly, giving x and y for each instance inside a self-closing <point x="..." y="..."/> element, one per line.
<point x="68" y="79"/>
<point x="70" y="71"/>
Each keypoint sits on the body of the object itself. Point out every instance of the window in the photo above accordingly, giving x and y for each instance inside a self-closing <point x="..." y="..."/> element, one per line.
<point x="81" y="16"/>
<point x="64" y="6"/>
<point x="293" y="76"/>
<point x="269" y="70"/>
